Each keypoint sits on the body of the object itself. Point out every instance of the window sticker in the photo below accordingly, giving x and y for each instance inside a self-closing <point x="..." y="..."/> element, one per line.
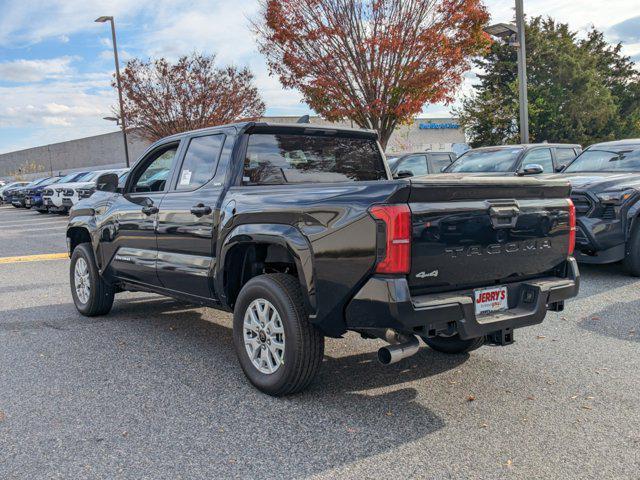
<point x="185" y="178"/>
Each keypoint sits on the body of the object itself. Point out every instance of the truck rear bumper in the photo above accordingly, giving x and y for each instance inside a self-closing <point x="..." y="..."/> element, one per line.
<point x="385" y="302"/>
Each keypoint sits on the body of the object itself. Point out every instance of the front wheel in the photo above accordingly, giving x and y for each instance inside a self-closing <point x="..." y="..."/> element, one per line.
<point x="454" y="344"/>
<point x="279" y="350"/>
<point x="91" y="294"/>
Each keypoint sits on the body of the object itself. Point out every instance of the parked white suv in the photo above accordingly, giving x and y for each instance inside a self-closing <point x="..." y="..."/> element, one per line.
<point x="74" y="192"/>
<point x="52" y="195"/>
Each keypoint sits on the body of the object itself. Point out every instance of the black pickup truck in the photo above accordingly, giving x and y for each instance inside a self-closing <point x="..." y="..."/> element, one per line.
<point x="302" y="233"/>
<point x="606" y="193"/>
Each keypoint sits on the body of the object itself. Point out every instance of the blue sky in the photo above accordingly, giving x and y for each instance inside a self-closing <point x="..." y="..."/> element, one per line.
<point x="56" y="63"/>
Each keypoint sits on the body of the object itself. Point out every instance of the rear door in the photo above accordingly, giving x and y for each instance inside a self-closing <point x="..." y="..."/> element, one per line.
<point x="187" y="218"/>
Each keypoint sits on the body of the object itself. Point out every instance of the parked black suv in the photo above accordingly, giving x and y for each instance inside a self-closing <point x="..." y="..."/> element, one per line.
<point x="530" y="159"/>
<point x="302" y="233"/>
<point x="420" y="163"/>
<point x="606" y="194"/>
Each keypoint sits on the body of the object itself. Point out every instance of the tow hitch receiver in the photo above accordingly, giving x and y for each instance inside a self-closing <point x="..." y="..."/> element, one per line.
<point x="501" y="337"/>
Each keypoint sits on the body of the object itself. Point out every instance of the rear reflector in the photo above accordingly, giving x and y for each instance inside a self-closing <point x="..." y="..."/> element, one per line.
<point x="397" y="250"/>
<point x="572" y="226"/>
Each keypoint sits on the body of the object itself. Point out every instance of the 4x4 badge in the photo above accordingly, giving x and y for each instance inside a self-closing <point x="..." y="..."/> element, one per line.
<point x="435" y="273"/>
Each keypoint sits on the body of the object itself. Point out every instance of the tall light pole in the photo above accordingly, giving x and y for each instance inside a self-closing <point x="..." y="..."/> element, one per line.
<point x="115" y="56"/>
<point x="515" y="36"/>
<point x="522" y="74"/>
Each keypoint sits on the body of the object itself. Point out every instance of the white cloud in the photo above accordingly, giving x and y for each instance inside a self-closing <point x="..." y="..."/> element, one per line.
<point x="34" y="70"/>
<point x="80" y="104"/>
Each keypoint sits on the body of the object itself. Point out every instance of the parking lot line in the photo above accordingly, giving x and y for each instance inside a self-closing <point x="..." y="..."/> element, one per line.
<point x="34" y="258"/>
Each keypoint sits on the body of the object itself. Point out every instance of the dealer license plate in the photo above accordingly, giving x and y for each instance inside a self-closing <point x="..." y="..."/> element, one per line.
<point x="491" y="300"/>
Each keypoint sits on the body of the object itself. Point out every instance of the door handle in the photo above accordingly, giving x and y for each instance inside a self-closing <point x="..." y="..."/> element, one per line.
<point x="200" y="210"/>
<point x="150" y="210"/>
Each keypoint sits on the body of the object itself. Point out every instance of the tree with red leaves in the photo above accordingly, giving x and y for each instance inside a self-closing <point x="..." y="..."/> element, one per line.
<point x="376" y="62"/>
<point x="162" y="99"/>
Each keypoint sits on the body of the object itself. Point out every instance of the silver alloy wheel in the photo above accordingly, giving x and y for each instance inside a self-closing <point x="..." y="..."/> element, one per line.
<point x="263" y="334"/>
<point x="81" y="280"/>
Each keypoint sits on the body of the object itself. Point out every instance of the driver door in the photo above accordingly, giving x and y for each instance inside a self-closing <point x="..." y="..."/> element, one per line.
<point x="132" y="250"/>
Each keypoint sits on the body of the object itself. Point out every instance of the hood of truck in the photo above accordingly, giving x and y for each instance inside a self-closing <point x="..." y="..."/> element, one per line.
<point x="598" y="182"/>
<point x="75" y="185"/>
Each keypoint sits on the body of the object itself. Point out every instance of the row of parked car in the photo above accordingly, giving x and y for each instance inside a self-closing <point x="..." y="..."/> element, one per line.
<point x="55" y="194"/>
<point x="530" y="159"/>
<point x="605" y="180"/>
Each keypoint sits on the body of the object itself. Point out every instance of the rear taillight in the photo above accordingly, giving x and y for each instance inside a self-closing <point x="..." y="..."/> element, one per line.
<point x="396" y="257"/>
<point x="572" y="226"/>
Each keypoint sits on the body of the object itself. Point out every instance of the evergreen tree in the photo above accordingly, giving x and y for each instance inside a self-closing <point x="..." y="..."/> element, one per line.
<point x="580" y="90"/>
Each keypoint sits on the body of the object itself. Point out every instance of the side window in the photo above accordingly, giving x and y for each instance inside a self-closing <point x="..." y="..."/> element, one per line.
<point x="438" y="161"/>
<point x="542" y="157"/>
<point x="153" y="177"/>
<point x="564" y="155"/>
<point x="416" y="164"/>
<point x="200" y="162"/>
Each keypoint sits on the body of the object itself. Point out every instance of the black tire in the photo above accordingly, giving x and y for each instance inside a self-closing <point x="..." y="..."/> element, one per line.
<point x="632" y="258"/>
<point x="101" y="295"/>
<point x="303" y="343"/>
<point x="42" y="211"/>
<point x="454" y="344"/>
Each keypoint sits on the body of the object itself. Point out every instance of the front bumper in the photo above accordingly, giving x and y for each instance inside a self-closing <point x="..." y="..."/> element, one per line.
<point x="51" y="205"/>
<point x="386" y="302"/>
<point x="600" y="240"/>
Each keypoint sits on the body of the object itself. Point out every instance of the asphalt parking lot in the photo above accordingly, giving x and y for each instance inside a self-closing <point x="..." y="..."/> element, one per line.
<point x="153" y="390"/>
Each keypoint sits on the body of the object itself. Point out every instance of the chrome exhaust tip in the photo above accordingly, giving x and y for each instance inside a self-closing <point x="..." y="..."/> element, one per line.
<point x="394" y="353"/>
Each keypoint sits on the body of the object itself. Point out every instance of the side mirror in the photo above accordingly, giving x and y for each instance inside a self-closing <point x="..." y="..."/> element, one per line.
<point x="403" y="174"/>
<point x="532" y="169"/>
<point x="561" y="168"/>
<point x="107" y="182"/>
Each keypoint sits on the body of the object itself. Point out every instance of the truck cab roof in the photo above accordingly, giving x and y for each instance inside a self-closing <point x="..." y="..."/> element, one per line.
<point x="249" y="127"/>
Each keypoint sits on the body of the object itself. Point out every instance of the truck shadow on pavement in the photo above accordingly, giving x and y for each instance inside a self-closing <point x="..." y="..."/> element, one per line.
<point x="619" y="320"/>
<point x="185" y="362"/>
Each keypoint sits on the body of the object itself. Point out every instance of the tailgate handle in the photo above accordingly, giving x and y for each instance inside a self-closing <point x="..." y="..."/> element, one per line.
<point x="504" y="216"/>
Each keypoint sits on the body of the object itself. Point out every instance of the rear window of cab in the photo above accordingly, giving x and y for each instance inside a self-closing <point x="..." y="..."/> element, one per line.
<point x="276" y="159"/>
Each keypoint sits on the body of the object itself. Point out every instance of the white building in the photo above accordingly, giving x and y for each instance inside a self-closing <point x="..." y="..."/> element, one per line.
<point x="434" y="134"/>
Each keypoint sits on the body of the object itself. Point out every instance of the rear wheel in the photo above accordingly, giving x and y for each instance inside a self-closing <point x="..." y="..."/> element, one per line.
<point x="279" y="350"/>
<point x="454" y="344"/>
<point x="91" y="294"/>
<point x="632" y="258"/>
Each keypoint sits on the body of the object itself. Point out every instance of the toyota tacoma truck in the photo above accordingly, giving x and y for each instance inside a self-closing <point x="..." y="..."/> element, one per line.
<point x="303" y="234"/>
<point x="606" y="194"/>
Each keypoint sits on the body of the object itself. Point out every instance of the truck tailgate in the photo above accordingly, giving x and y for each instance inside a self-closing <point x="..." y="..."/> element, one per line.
<point x="469" y="231"/>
